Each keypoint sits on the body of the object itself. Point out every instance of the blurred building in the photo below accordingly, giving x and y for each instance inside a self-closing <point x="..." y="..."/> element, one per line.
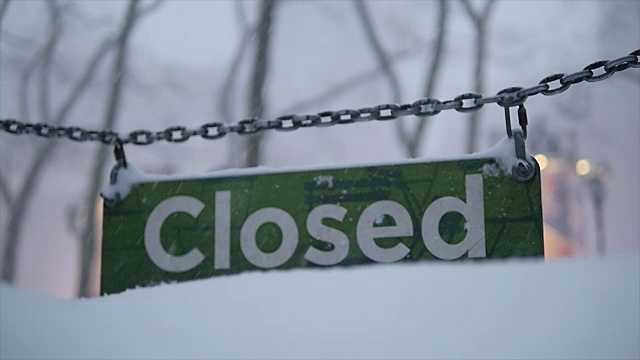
<point x="573" y="192"/>
<point x="564" y="201"/>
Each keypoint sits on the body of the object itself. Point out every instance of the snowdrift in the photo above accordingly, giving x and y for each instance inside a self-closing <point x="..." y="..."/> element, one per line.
<point x="505" y="309"/>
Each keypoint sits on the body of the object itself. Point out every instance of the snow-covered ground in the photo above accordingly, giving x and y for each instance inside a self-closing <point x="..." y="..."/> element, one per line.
<point x="577" y="309"/>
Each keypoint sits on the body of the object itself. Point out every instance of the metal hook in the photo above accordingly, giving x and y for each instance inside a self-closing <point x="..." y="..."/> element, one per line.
<point x="523" y="119"/>
<point x="507" y="120"/>
<point x="118" y="152"/>
<point x="121" y="161"/>
<point x="523" y="170"/>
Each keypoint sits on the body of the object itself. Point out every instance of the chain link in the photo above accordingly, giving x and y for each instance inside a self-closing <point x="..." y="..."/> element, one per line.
<point x="512" y="96"/>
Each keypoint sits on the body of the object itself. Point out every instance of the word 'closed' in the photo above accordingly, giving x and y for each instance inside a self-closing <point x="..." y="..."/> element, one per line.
<point x="188" y="229"/>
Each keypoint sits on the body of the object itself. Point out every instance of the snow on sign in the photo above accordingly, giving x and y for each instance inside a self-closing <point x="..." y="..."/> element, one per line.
<point x="168" y="230"/>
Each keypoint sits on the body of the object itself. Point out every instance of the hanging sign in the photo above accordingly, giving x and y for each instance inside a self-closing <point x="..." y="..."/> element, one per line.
<point x="179" y="230"/>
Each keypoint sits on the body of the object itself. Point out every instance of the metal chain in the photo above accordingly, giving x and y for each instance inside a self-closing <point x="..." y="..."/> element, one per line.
<point x="512" y="96"/>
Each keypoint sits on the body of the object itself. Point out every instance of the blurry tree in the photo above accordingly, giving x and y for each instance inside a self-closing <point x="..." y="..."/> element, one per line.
<point x="350" y="83"/>
<point x="226" y="101"/>
<point x="410" y="139"/>
<point x="620" y="19"/>
<point x="381" y="54"/>
<point x="88" y="236"/>
<point x="577" y="126"/>
<point x="226" y="95"/>
<point x="40" y="64"/>
<point x="246" y="150"/>
<point x="384" y="68"/>
<point x="414" y="138"/>
<point x="19" y="199"/>
<point x="257" y="103"/>
<point x="4" y="5"/>
<point x="479" y="19"/>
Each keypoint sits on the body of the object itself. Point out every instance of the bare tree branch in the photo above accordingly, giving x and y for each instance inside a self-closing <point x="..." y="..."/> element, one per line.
<point x="479" y="16"/>
<point x="88" y="20"/>
<point x="118" y="74"/>
<point x="5" y="191"/>
<point x="44" y="153"/>
<point x="226" y="94"/>
<point x="4" y="5"/>
<point x="466" y="5"/>
<point x="414" y="143"/>
<point x="142" y="12"/>
<point x="479" y="19"/>
<point x="231" y="78"/>
<point x="81" y="85"/>
<point x="381" y="55"/>
<point x="487" y="9"/>
<point x="241" y="15"/>
<point x="73" y="213"/>
<point x="47" y="58"/>
<point x="258" y="79"/>
<point x="23" y="87"/>
<point x="633" y="77"/>
<point x="347" y="84"/>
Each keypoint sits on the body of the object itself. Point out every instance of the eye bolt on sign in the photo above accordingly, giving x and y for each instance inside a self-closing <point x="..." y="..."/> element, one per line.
<point x="179" y="230"/>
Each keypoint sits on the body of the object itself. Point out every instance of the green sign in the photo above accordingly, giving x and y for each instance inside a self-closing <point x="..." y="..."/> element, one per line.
<point x="179" y="230"/>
